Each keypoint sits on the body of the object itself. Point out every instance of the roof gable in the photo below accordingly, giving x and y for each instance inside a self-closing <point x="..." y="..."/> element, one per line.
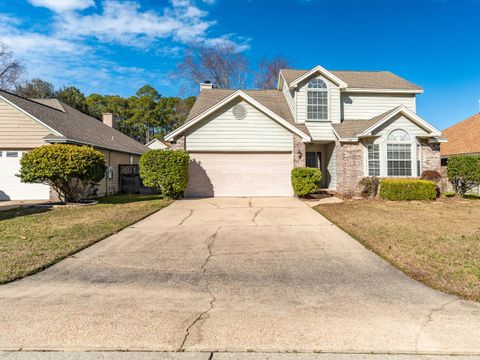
<point x="316" y="71"/>
<point x="270" y="102"/>
<point x="362" y="81"/>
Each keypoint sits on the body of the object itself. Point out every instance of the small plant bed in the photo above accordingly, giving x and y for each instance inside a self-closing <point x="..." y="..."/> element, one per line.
<point x="34" y="238"/>
<point x="435" y="242"/>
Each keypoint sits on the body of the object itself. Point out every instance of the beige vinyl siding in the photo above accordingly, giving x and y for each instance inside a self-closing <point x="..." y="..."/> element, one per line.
<point x="400" y="122"/>
<point x="333" y="101"/>
<point x="221" y="131"/>
<point x="18" y="130"/>
<point x="366" y="106"/>
<point x="289" y="96"/>
<point x="113" y="159"/>
<point x="320" y="130"/>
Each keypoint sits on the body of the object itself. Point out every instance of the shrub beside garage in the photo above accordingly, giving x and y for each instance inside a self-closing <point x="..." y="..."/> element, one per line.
<point x="463" y="172"/>
<point x="407" y="189"/>
<point x="166" y="171"/>
<point x="305" y="181"/>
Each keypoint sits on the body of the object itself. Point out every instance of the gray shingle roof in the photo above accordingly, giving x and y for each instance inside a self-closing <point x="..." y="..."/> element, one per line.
<point x="361" y="79"/>
<point x="271" y="99"/>
<point x="74" y="125"/>
<point x="349" y="129"/>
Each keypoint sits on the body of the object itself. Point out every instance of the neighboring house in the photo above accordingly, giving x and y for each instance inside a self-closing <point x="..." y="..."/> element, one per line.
<point x="463" y="138"/>
<point x="26" y="124"/>
<point x="157" y="144"/>
<point x="350" y="124"/>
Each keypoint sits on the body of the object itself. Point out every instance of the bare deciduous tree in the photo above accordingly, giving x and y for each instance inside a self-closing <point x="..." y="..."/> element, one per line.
<point x="10" y="69"/>
<point x="221" y="64"/>
<point x="268" y="69"/>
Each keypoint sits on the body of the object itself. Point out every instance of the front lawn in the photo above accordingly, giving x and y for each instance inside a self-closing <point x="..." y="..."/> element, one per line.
<point x="435" y="242"/>
<point x="32" y="238"/>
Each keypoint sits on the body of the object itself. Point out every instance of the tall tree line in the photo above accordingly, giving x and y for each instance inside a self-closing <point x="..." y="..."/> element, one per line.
<point x="143" y="116"/>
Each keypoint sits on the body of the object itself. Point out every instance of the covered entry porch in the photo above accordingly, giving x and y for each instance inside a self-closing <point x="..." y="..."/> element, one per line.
<point x="322" y="155"/>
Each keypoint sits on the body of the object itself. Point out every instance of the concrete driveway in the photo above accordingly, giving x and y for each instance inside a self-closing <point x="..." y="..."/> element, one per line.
<point x="238" y="275"/>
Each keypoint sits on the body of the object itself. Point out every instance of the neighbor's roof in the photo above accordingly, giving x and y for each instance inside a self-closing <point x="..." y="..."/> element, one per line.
<point x="463" y="138"/>
<point x="73" y="125"/>
<point x="271" y="99"/>
<point x="361" y="79"/>
<point x="166" y="143"/>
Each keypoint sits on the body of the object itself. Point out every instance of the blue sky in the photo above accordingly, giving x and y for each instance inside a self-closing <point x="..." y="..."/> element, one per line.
<point x="115" y="47"/>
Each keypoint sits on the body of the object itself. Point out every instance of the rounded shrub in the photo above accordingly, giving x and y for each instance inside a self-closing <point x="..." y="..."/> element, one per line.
<point x="70" y="170"/>
<point x="463" y="172"/>
<point x="166" y="171"/>
<point x="306" y="181"/>
<point x="407" y="189"/>
<point x="370" y="186"/>
<point x="431" y="175"/>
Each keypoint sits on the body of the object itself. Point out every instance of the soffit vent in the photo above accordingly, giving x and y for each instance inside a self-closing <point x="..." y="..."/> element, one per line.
<point x="239" y="112"/>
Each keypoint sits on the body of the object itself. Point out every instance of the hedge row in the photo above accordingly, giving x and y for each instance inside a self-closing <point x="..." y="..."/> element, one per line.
<point x="407" y="189"/>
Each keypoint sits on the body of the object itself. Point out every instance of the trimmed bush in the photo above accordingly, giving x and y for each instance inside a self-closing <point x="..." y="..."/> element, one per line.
<point x="370" y="186"/>
<point x="431" y="175"/>
<point x="70" y="170"/>
<point x="407" y="189"/>
<point x="166" y="171"/>
<point x="463" y="172"/>
<point x="306" y="181"/>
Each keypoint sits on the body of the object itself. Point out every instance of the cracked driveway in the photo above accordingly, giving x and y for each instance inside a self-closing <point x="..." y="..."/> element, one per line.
<point x="239" y="274"/>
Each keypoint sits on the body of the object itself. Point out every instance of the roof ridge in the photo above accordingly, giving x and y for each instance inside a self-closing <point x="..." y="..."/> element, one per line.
<point x="31" y="100"/>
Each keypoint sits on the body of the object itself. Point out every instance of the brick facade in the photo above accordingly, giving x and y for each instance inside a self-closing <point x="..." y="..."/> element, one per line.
<point x="299" y="153"/>
<point x="430" y="156"/>
<point x="179" y="144"/>
<point x="349" y="161"/>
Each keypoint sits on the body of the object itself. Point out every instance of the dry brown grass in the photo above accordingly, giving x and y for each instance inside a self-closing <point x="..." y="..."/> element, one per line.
<point x="32" y="239"/>
<point x="437" y="243"/>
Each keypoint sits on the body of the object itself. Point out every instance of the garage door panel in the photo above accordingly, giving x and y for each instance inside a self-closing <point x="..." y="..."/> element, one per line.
<point x="240" y="174"/>
<point x="11" y="188"/>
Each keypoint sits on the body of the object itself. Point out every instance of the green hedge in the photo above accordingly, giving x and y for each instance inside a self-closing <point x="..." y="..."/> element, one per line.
<point x="407" y="189"/>
<point x="306" y="181"/>
<point x="165" y="170"/>
<point x="463" y="171"/>
<point x="71" y="170"/>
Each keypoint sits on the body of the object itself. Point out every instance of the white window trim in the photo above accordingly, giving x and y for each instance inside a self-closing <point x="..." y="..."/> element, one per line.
<point x="382" y="142"/>
<point x="329" y="105"/>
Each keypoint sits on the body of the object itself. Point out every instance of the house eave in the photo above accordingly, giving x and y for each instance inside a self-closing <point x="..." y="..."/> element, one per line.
<point x="382" y="91"/>
<point x="76" y="142"/>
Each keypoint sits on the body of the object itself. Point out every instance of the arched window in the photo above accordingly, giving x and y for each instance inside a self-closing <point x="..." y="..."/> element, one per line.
<point x="399" y="153"/>
<point x="317" y="100"/>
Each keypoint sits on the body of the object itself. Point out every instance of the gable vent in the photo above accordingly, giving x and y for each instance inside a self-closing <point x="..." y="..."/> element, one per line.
<point x="239" y="112"/>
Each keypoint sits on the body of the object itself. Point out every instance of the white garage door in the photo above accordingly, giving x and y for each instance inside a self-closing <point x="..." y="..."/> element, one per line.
<point x="11" y="188"/>
<point x="240" y="174"/>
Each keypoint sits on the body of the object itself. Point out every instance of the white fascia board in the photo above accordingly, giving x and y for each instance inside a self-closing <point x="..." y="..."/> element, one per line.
<point x="382" y="91"/>
<point x="340" y="83"/>
<point x="251" y="101"/>
<point x="55" y="132"/>
<point x="280" y="79"/>
<point x="409" y="114"/>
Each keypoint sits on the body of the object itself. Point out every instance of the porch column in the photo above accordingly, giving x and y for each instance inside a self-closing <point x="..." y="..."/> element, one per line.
<point x="299" y="155"/>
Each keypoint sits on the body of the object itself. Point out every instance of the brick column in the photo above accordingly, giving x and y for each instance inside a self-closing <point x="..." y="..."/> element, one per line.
<point x="299" y="154"/>
<point x="349" y="167"/>
<point x="179" y="144"/>
<point x="430" y="156"/>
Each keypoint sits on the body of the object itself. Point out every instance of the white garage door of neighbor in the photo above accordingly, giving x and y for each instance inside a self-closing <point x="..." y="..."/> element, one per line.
<point x="11" y="188"/>
<point x="240" y="174"/>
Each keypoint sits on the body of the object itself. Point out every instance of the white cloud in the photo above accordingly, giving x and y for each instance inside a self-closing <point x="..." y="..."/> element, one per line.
<point x="61" y="6"/>
<point x="127" y="23"/>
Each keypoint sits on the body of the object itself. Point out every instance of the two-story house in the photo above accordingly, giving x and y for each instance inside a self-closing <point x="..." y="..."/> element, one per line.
<point x="350" y="124"/>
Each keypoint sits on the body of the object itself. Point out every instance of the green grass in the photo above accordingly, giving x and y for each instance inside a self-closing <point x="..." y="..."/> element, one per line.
<point x="449" y="194"/>
<point x="32" y="239"/>
<point x="436" y="242"/>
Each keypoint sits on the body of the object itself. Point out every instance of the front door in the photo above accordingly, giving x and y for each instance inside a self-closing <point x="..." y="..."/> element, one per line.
<point x="314" y="160"/>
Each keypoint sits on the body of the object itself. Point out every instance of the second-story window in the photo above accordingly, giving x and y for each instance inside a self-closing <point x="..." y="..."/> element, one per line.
<point x="317" y="100"/>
